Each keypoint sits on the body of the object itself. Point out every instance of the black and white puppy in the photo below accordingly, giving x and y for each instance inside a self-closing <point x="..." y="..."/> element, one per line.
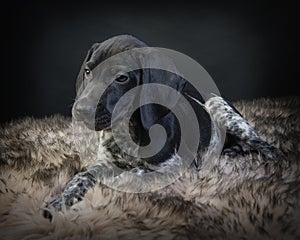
<point x="240" y="136"/>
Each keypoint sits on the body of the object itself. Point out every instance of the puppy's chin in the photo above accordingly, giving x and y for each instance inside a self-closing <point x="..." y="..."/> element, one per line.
<point x="103" y="122"/>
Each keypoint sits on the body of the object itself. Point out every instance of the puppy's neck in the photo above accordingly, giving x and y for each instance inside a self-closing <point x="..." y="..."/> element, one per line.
<point x="140" y="136"/>
<point x="171" y="126"/>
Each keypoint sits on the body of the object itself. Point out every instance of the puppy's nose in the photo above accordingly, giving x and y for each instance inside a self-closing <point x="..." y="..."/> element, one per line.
<point x="83" y="110"/>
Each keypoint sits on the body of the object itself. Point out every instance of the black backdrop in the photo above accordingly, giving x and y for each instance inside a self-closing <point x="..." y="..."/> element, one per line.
<point x="245" y="48"/>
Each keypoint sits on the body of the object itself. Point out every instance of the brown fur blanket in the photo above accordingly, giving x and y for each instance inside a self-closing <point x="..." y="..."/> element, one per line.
<point x="245" y="197"/>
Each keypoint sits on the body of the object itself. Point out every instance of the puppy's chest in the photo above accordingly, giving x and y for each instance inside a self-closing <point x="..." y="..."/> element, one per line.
<point x="110" y="151"/>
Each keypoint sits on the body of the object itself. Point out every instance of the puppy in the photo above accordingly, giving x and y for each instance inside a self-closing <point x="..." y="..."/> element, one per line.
<point x="97" y="115"/>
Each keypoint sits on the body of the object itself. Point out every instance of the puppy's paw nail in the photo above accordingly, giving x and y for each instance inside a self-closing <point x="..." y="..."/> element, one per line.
<point x="47" y="214"/>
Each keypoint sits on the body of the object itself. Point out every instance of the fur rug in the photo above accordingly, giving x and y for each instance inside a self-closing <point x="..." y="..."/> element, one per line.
<point x="245" y="197"/>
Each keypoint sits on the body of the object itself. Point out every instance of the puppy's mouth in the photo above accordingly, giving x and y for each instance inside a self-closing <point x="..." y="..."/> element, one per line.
<point x="102" y="118"/>
<point x="99" y="124"/>
<point x="97" y="120"/>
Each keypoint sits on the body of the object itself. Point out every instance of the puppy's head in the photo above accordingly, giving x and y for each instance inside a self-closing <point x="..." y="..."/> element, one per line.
<point x="96" y="109"/>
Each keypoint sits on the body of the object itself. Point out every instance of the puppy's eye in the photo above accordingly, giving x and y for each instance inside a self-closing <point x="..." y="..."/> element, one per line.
<point x="87" y="71"/>
<point x="88" y="74"/>
<point x="122" y="78"/>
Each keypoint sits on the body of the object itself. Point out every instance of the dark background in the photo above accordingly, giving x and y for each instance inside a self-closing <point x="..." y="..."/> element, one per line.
<point x="245" y="48"/>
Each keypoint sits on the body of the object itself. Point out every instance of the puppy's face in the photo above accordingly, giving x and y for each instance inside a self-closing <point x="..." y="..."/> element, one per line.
<point x="100" y="88"/>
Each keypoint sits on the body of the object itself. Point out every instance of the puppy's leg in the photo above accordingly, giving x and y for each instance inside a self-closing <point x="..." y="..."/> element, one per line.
<point x="77" y="188"/>
<point x="238" y="129"/>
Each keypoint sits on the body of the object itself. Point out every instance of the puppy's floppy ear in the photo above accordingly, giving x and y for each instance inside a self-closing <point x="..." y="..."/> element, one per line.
<point x="151" y="113"/>
<point x="80" y="77"/>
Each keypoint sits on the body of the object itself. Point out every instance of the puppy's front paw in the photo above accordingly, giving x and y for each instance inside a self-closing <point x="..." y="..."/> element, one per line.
<point x="65" y="200"/>
<point x="74" y="192"/>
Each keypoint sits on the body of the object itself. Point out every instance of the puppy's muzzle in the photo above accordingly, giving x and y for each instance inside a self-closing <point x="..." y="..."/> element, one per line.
<point x="84" y="113"/>
<point x="98" y="118"/>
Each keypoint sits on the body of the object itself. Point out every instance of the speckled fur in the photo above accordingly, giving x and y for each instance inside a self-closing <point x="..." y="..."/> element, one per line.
<point x="241" y="198"/>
